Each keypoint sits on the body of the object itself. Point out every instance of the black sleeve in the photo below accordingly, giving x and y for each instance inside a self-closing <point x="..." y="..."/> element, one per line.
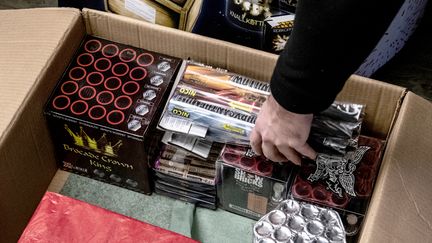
<point x="330" y="40"/>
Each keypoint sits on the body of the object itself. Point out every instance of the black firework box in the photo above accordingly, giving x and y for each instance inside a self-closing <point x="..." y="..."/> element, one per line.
<point x="277" y="30"/>
<point x="248" y="184"/>
<point x="344" y="183"/>
<point x="102" y="113"/>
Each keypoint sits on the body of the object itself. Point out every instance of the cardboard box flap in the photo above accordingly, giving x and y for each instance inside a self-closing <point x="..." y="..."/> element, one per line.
<point x="401" y="210"/>
<point x="382" y="103"/>
<point x="25" y="51"/>
<point x="181" y="44"/>
<point x="36" y="46"/>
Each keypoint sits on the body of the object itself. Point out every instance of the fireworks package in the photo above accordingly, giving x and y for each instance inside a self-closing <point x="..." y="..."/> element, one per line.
<point x="62" y="219"/>
<point x="344" y="183"/>
<point x="294" y="221"/>
<point x="185" y="176"/>
<point x="216" y="105"/>
<point x="104" y="107"/>
<point x="276" y="32"/>
<point x="248" y="184"/>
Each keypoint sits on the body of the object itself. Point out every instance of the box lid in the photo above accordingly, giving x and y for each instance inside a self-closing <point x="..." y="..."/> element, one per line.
<point x="113" y="86"/>
<point x="401" y="210"/>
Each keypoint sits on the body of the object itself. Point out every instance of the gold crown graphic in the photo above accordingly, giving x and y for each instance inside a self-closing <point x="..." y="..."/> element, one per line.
<point x="102" y="145"/>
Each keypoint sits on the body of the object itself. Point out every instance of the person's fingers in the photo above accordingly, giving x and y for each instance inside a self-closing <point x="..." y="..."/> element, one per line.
<point x="255" y="142"/>
<point x="306" y="151"/>
<point x="272" y="153"/>
<point x="290" y="154"/>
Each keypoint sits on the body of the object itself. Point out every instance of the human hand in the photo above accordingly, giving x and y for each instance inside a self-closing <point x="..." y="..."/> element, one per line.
<point x="281" y="135"/>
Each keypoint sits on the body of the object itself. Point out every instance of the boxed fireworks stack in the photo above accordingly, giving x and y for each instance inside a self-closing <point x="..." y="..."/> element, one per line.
<point x="183" y="175"/>
<point x="276" y="32"/>
<point x="214" y="104"/>
<point x="342" y="182"/>
<point x="248" y="184"/>
<point x="104" y="107"/>
<point x="220" y="106"/>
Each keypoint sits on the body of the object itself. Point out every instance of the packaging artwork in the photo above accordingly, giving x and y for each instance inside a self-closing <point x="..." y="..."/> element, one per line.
<point x="276" y="32"/>
<point x="214" y="104"/>
<point x="250" y="14"/>
<point x="105" y="106"/>
<point x="220" y="106"/>
<point x="183" y="175"/>
<point x="250" y="185"/>
<point x="344" y="183"/>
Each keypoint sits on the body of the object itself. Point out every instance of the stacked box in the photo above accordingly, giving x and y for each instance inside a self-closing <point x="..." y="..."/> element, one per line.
<point x="248" y="184"/>
<point x="276" y="32"/>
<point x="105" y="106"/>
<point x="328" y="180"/>
<point x="183" y="175"/>
<point x="220" y="106"/>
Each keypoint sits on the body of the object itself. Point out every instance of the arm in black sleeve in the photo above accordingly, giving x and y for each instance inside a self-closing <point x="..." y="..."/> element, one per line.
<point x="330" y="40"/>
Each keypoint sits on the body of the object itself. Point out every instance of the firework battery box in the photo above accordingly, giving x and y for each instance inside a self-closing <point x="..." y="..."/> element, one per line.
<point x="276" y="32"/>
<point x="248" y="184"/>
<point x="101" y="113"/>
<point x="344" y="185"/>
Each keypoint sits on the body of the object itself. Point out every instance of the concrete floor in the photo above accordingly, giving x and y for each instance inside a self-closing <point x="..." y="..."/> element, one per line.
<point x="411" y="67"/>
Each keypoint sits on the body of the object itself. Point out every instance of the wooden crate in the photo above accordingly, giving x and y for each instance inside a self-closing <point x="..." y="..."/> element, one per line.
<point x="164" y="15"/>
<point x="188" y="11"/>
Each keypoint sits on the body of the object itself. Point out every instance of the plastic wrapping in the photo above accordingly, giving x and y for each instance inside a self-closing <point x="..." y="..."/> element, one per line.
<point x="217" y="105"/>
<point x="184" y="176"/>
<point x="184" y="165"/>
<point x="62" y="219"/>
<point x="348" y="112"/>
<point x="294" y="221"/>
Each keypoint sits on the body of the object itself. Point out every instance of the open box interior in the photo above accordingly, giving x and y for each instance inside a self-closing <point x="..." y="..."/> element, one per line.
<point x="399" y="207"/>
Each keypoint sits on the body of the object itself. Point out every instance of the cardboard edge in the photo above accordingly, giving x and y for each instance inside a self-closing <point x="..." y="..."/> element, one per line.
<point x="19" y="111"/>
<point x="58" y="181"/>
<point x="387" y="164"/>
<point x="32" y="120"/>
<point x="227" y="50"/>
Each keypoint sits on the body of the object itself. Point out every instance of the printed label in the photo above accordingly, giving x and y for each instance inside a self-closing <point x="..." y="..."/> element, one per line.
<point x="141" y="9"/>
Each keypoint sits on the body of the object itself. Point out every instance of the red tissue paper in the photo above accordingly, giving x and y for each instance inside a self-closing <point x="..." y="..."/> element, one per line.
<point x="62" y="219"/>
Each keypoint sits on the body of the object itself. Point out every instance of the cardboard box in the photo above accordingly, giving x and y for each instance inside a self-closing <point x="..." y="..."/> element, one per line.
<point x="400" y="209"/>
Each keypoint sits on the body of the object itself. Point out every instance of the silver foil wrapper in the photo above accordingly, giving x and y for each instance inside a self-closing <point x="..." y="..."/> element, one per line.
<point x="294" y="221"/>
